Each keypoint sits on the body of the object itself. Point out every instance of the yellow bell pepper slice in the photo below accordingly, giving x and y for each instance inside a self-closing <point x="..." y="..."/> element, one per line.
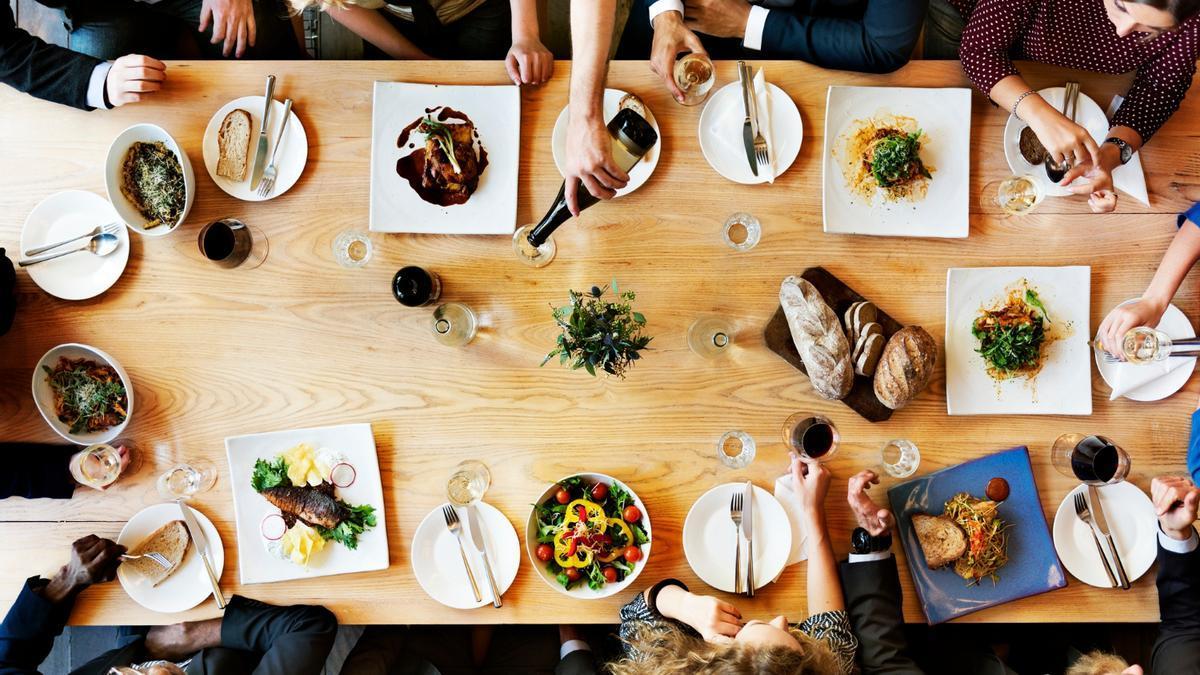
<point x="625" y="531"/>
<point x="595" y="514"/>
<point x="567" y="558"/>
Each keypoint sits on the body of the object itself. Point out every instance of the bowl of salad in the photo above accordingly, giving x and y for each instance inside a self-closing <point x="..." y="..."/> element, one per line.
<point x="588" y="536"/>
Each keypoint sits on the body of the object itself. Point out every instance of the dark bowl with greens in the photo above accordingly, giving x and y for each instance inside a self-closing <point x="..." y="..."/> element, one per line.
<point x="83" y="393"/>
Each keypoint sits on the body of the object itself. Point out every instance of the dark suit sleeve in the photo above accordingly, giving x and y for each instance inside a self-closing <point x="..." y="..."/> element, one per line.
<point x="36" y="470"/>
<point x="578" y="662"/>
<point x="879" y="41"/>
<point x="1177" y="650"/>
<point x="294" y="640"/>
<point x="46" y="71"/>
<point x="873" y="600"/>
<point x="29" y="629"/>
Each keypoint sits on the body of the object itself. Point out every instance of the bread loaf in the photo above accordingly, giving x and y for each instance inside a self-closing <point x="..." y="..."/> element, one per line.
<point x="233" y="145"/>
<point x="171" y="540"/>
<point x="819" y="338"/>
<point x="906" y="367"/>
<point x="941" y="539"/>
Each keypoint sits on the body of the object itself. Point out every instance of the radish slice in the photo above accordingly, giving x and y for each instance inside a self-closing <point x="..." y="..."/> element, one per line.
<point x="272" y="527"/>
<point x="342" y="475"/>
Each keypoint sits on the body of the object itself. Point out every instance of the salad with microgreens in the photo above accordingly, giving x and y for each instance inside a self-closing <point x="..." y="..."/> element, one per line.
<point x="590" y="532"/>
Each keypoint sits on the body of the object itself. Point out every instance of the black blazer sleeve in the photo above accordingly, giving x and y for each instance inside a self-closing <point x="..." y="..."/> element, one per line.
<point x="1177" y="650"/>
<point x="46" y="71"/>
<point x="827" y="33"/>
<point x="874" y="602"/>
<point x="29" y="629"/>
<point x="36" y="470"/>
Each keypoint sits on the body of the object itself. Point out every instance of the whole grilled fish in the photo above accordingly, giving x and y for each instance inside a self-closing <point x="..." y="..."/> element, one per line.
<point x="313" y="506"/>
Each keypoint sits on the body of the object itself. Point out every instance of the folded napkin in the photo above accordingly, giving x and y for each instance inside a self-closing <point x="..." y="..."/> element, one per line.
<point x="762" y="97"/>
<point x="1126" y="378"/>
<point x="1130" y="178"/>
<point x="786" y="494"/>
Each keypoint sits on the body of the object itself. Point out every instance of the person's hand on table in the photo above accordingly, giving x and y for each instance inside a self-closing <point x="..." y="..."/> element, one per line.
<point x="715" y="620"/>
<point x="1121" y="320"/>
<point x="93" y="560"/>
<point x="232" y="22"/>
<point x="1176" y="501"/>
<point x="590" y="160"/>
<point x="1097" y="184"/>
<point x="1064" y="139"/>
<point x="132" y="77"/>
<point x="811" y="481"/>
<point x="671" y="38"/>
<point x="718" y="18"/>
<point x="529" y="62"/>
<point x="870" y="516"/>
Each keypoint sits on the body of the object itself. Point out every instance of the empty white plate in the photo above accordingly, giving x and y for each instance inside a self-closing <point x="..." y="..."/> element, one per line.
<point x="710" y="538"/>
<point x="721" y="133"/>
<point x="289" y="163"/>
<point x="438" y="565"/>
<point x="188" y="585"/>
<point x="640" y="172"/>
<point x="63" y="215"/>
<point x="1133" y="526"/>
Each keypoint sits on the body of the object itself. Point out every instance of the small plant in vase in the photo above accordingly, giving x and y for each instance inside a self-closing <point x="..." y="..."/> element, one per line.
<point x="597" y="334"/>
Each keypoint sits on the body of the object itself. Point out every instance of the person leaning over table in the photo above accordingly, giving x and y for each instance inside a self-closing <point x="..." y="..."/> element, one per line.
<point x="1177" y="649"/>
<point x="52" y="73"/>
<point x="667" y="629"/>
<point x="252" y="637"/>
<point x="1160" y="39"/>
<point x="873" y="36"/>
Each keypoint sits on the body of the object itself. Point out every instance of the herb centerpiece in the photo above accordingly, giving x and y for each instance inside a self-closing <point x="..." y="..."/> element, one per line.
<point x="598" y="334"/>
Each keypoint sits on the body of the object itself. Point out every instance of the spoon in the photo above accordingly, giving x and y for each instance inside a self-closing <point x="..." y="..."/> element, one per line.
<point x="1055" y="171"/>
<point x="101" y="245"/>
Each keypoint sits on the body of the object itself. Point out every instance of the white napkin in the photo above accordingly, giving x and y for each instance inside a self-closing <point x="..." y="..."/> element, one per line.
<point x="790" y="501"/>
<point x="1130" y="178"/>
<point x="1127" y="377"/>
<point x="762" y="97"/>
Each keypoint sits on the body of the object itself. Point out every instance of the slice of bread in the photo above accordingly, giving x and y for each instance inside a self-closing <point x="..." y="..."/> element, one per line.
<point x="942" y="540"/>
<point x="171" y="540"/>
<point x="233" y="144"/>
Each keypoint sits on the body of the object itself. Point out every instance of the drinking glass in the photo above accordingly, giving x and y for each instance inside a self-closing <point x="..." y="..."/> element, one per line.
<point x="534" y="256"/>
<point x="186" y="479"/>
<point x="736" y="449"/>
<point x="900" y="458"/>
<point x="709" y="336"/>
<point x="1014" y="196"/>
<point x="469" y="482"/>
<point x="695" y="76"/>
<point x="812" y="436"/>
<point x="98" y="466"/>
<point x="352" y="249"/>
<point x="1143" y="345"/>
<point x="231" y="243"/>
<point x="1095" y="460"/>
<point x="741" y="231"/>
<point x="454" y="324"/>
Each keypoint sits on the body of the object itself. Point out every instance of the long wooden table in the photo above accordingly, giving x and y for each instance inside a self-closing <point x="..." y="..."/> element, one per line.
<point x="302" y="342"/>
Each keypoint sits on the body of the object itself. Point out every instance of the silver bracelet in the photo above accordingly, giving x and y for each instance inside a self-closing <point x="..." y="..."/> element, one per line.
<point x="1018" y="102"/>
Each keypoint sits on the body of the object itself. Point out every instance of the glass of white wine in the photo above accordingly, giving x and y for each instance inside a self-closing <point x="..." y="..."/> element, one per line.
<point x="454" y="324"/>
<point x="97" y="466"/>
<point x="1144" y="345"/>
<point x="186" y="479"/>
<point x="1013" y="196"/>
<point x="695" y="76"/>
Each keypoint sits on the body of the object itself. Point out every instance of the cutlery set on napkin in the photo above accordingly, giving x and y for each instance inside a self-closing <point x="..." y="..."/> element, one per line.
<point x="756" y="127"/>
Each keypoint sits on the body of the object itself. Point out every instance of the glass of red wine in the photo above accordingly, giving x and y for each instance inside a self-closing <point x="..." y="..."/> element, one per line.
<point x="811" y="436"/>
<point x="1095" y="460"/>
<point x="231" y="243"/>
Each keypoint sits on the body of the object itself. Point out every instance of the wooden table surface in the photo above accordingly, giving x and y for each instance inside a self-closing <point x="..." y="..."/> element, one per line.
<point x="302" y="342"/>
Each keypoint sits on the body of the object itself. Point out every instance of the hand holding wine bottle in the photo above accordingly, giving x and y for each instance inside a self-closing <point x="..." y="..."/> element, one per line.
<point x="590" y="159"/>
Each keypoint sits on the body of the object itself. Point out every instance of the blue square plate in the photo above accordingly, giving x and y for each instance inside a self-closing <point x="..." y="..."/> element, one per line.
<point x="1033" y="566"/>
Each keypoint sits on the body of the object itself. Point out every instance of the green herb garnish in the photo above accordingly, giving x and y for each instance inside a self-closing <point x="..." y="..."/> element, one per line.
<point x="358" y="519"/>
<point x="269" y="474"/>
<point x="152" y="180"/>
<point x="895" y="157"/>
<point x="441" y="133"/>
<point x="1032" y="299"/>
<point x="87" y="396"/>
<point x="597" y="334"/>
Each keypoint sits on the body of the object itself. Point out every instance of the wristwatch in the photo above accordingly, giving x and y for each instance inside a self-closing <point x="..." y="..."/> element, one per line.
<point x="862" y="542"/>
<point x="1126" y="151"/>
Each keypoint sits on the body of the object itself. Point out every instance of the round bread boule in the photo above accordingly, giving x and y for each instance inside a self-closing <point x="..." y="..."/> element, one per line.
<point x="906" y="367"/>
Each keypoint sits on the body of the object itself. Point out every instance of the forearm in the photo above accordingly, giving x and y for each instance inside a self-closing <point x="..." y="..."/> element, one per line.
<point x="879" y="42"/>
<point x="525" y="21"/>
<point x="1181" y="255"/>
<point x="372" y="26"/>
<point x="591" y="35"/>
<point x="824" y="586"/>
<point x="670" y="602"/>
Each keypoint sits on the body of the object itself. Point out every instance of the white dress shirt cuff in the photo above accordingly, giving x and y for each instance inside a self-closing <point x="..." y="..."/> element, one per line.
<point x="870" y="557"/>
<point x="755" y="25"/>
<point x="661" y="6"/>
<point x="1175" y="546"/>
<point x="95" y="90"/>
<point x="572" y="646"/>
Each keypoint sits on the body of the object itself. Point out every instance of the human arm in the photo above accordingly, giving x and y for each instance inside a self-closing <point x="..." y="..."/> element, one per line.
<point x="42" y="70"/>
<point x="811" y="482"/>
<point x="671" y="37"/>
<point x="38" y="470"/>
<point x="574" y="653"/>
<point x="528" y="60"/>
<point x="232" y="23"/>
<point x="372" y="26"/>
<point x="1178" y="645"/>
<point x="293" y="639"/>
<point x="715" y="620"/>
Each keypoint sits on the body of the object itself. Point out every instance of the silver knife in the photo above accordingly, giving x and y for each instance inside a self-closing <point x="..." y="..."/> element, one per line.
<point x="260" y="155"/>
<point x="480" y="545"/>
<point x="201" y="542"/>
<point x="748" y="530"/>
<point x="747" y="128"/>
<point x="1102" y="526"/>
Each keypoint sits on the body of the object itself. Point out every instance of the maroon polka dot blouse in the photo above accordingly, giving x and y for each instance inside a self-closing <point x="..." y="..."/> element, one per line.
<point x="1078" y="34"/>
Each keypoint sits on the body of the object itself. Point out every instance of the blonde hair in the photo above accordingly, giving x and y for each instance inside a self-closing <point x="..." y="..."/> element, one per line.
<point x="301" y="5"/>
<point x="1098" y="663"/>
<point x="669" y="650"/>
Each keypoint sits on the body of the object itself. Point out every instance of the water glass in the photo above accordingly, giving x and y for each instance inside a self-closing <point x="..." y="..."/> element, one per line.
<point x="533" y="256"/>
<point x="469" y="482"/>
<point x="736" y="449"/>
<point x="709" y="336"/>
<point x="454" y="324"/>
<point x="352" y="249"/>
<point x="900" y="458"/>
<point x="742" y="231"/>
<point x="186" y="479"/>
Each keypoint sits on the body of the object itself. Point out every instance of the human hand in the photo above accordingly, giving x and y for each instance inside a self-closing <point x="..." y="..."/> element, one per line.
<point x="870" y="516"/>
<point x="715" y="620"/>
<point x="93" y="560"/>
<point x="670" y="38"/>
<point x="1122" y="319"/>
<point x="1175" y="503"/>
<point x="590" y="161"/>
<point x="529" y="62"/>
<point x="1064" y="139"/>
<point x="1098" y="185"/>
<point x="133" y="76"/>
<point x="718" y="18"/>
<point x="232" y="22"/>
<point x="811" y="480"/>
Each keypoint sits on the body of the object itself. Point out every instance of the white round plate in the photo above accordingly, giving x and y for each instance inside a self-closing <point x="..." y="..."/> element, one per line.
<point x="438" y="565"/>
<point x="1176" y="324"/>
<point x="77" y="276"/>
<point x="640" y="172"/>
<point x="115" y="162"/>
<point x="293" y="150"/>
<point x="188" y="586"/>
<point x="43" y="395"/>
<point x="710" y="538"/>
<point x="1090" y="116"/>
<point x="1131" y="521"/>
<point x="721" y="133"/>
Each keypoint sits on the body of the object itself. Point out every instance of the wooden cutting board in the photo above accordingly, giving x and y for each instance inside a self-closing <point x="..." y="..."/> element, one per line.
<point x="839" y="297"/>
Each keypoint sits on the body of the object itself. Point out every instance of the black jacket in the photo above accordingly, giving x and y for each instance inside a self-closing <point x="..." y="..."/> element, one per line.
<point x="47" y="71"/>
<point x="1177" y="650"/>
<point x="873" y="600"/>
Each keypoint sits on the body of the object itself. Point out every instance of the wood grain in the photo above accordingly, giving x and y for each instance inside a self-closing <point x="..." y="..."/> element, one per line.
<point x="303" y="342"/>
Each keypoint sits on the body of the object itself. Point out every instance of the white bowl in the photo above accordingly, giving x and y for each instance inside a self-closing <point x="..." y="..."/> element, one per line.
<point x="582" y="591"/>
<point x="43" y="395"/>
<point x="147" y="133"/>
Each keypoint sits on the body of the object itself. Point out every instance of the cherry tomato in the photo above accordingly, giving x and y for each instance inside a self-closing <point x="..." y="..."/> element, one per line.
<point x="562" y="496"/>
<point x="572" y="573"/>
<point x="545" y="552"/>
<point x="610" y="575"/>
<point x="599" y="492"/>
<point x="631" y="514"/>
<point x="633" y="553"/>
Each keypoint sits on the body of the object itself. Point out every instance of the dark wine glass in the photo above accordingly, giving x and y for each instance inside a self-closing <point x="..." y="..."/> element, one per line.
<point x="229" y="243"/>
<point x="1095" y="460"/>
<point x="812" y="436"/>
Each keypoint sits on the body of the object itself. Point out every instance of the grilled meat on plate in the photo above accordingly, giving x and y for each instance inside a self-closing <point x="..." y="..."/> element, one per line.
<point x="311" y="505"/>
<point x="439" y="171"/>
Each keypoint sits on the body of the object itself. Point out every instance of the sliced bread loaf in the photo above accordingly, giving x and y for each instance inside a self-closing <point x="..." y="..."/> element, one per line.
<point x="233" y="145"/>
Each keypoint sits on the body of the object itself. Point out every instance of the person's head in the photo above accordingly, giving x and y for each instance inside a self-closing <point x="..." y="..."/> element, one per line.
<point x="301" y="5"/>
<point x="761" y="647"/>
<point x="1149" y="16"/>
<point x="1099" y="663"/>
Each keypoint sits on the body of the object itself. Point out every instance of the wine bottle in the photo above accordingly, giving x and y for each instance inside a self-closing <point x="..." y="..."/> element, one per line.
<point x="632" y="138"/>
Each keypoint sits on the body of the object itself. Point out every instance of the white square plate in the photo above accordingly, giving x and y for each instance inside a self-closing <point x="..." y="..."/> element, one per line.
<point x="357" y="443"/>
<point x="944" y="115"/>
<point x="492" y="209"/>
<point x="1064" y="385"/>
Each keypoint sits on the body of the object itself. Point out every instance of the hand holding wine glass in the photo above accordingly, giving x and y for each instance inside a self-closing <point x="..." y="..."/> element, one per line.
<point x="1124" y="318"/>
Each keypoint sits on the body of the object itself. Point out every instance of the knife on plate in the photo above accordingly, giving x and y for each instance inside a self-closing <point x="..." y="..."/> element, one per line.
<point x="480" y="545"/>
<point x="201" y="542"/>
<point x="260" y="155"/>
<point x="747" y="126"/>
<point x="748" y="531"/>
<point x="1102" y="525"/>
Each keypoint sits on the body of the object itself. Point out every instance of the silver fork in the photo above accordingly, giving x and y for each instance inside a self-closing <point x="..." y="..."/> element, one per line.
<point x="156" y="557"/>
<point x="455" y="528"/>
<point x="760" y="144"/>
<point x="107" y="228"/>
<point x="267" y="183"/>
<point x="1085" y="514"/>
<point x="735" y="514"/>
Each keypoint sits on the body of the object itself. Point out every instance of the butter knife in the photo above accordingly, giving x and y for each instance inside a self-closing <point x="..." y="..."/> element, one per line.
<point x="747" y="127"/>
<point x="748" y="531"/>
<point x="201" y="542"/>
<point x="480" y="545"/>
<point x="260" y="155"/>
<point x="1102" y="525"/>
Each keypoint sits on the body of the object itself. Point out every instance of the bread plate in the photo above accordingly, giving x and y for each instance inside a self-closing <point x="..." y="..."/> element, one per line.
<point x="188" y="585"/>
<point x="438" y="565"/>
<point x="290" y="162"/>
<point x="640" y="172"/>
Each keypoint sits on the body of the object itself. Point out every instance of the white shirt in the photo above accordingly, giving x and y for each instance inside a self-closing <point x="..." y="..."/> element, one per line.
<point x="95" y="90"/>
<point x="1175" y="546"/>
<point x="755" y="24"/>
